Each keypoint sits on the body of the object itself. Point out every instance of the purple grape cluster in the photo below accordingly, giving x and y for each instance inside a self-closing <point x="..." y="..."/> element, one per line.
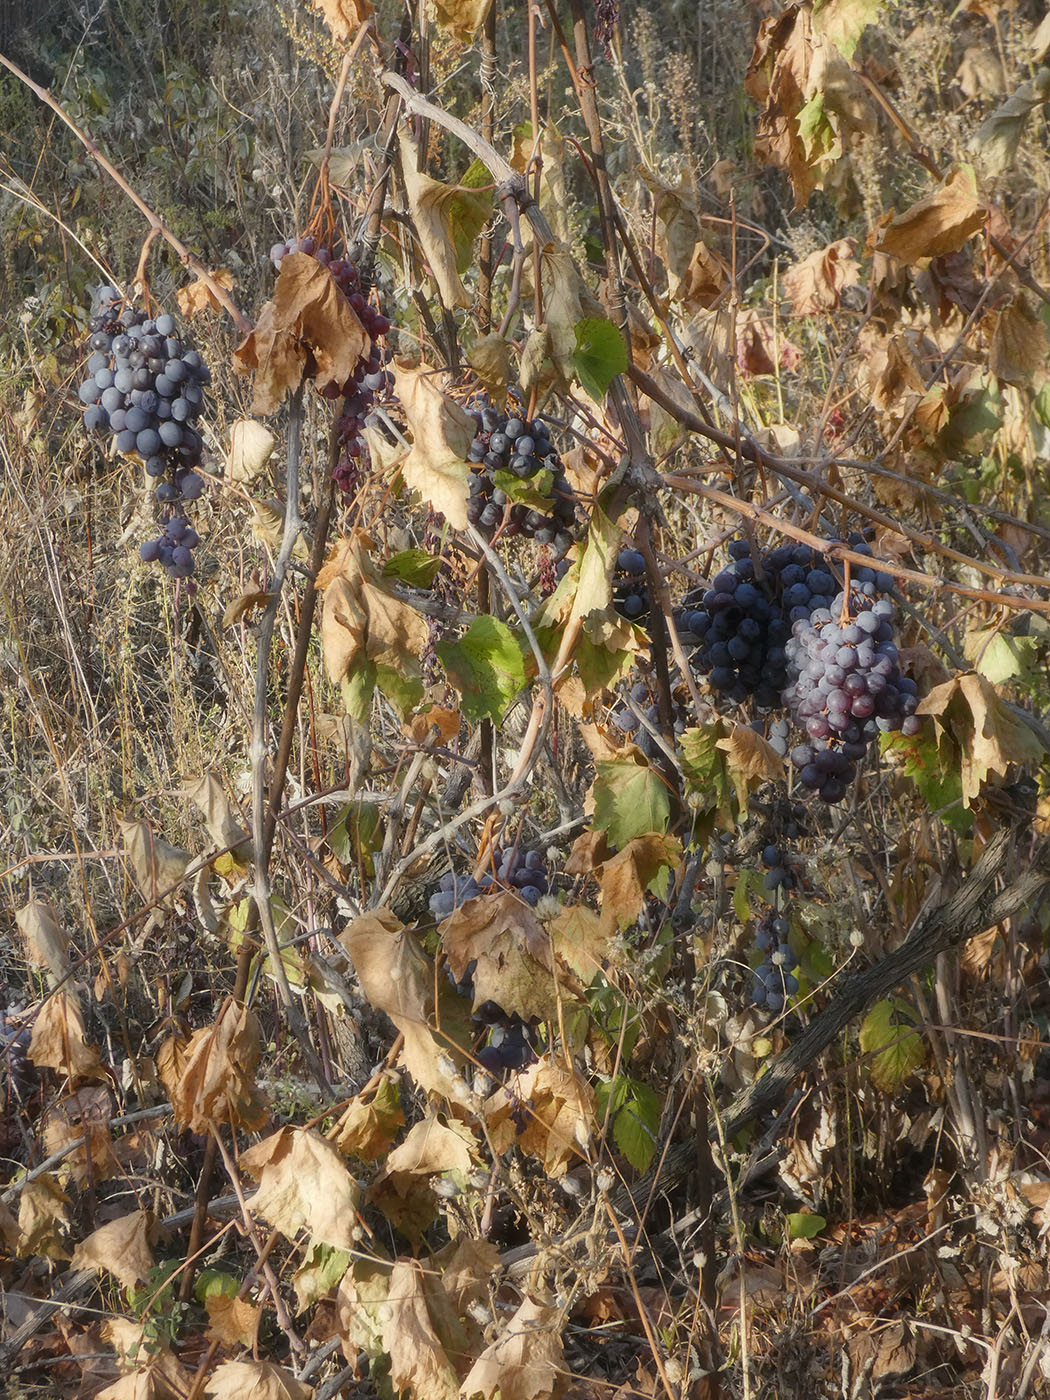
<point x="507" y="449"/>
<point x="15" y="1036"/>
<point x="845" y="684"/>
<point x="774" y="977"/>
<point x="145" y="388"/>
<point x="630" y="593"/>
<point x="369" y="377"/>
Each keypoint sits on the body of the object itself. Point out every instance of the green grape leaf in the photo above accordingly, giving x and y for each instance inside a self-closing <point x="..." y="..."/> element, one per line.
<point x="630" y="799"/>
<point x="468" y="212"/>
<point x="323" y="1268"/>
<point x="803" y="1226"/>
<point x="887" y="1034"/>
<point x="356" y="834"/>
<point x="936" y="775"/>
<point x="486" y="666"/>
<point x="844" y="21"/>
<point x="998" y="656"/>
<point x="600" y="355"/>
<point x="215" y="1283"/>
<point x="535" y="491"/>
<point x="637" y="1123"/>
<point x="415" y="567"/>
<point x="357" y="688"/>
<point x="404" y="692"/>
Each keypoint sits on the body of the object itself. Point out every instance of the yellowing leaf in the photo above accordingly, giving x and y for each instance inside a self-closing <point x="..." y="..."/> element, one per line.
<point x="121" y="1247"/>
<point x="625" y="878"/>
<point x="559" y="1113"/>
<point x="630" y="799"/>
<point x="441" y="432"/>
<point x="369" y="1125"/>
<point x="489" y="358"/>
<point x="304" y="1185"/>
<point x="887" y="1034"/>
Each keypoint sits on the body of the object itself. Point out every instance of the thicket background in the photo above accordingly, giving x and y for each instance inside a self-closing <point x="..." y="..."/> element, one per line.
<point x="878" y="1227"/>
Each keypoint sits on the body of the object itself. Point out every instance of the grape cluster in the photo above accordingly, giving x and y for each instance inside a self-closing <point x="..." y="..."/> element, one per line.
<point x="846" y="686"/>
<point x="521" y="871"/>
<point x="369" y="377"/>
<point x="145" y="388"/>
<point x="774" y="978"/>
<point x="14" y="1039"/>
<point x="626" y="719"/>
<point x="630" y="594"/>
<point x="507" y="449"/>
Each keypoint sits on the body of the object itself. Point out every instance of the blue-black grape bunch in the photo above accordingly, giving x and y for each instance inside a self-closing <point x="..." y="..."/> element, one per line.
<point x="505" y="1041"/>
<point x="774" y="978"/>
<point x="15" y="1036"/>
<point x="626" y="718"/>
<point x="630" y="595"/>
<point x="145" y="388"/>
<point x="369" y="377"/>
<point x="509" y="447"/>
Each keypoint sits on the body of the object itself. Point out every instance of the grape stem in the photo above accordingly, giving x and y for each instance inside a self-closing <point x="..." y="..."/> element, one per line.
<point x="157" y="224"/>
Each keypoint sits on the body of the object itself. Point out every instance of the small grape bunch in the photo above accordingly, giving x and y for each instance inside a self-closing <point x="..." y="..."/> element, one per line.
<point x="145" y="389"/>
<point x="513" y="869"/>
<point x="369" y="378"/>
<point x="626" y="718"/>
<point x="630" y="593"/>
<point x="510" y="1042"/>
<point x="774" y="978"/>
<point x="509" y="450"/>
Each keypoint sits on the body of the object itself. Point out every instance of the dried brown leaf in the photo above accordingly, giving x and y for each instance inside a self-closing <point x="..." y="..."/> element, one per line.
<point x="441" y="432"/>
<point x="511" y="950"/>
<point x="463" y="17"/>
<point x="59" y="1040"/>
<point x="234" y="1322"/>
<point x="361" y="616"/>
<point x="816" y="284"/>
<point x="527" y="1360"/>
<point x="1018" y="351"/>
<point x="46" y="939"/>
<point x="940" y="223"/>
<point x="419" y="1364"/>
<point x="210" y="1078"/>
<point x="251" y="447"/>
<point x="198" y="296"/>
<point x="43" y="1220"/>
<point x="559" y="1114"/>
<point x="304" y="1184"/>
<point x="254" y="1380"/>
<point x="121" y="1247"/>
<point x="345" y="17"/>
<point x="430" y="204"/>
<point x="156" y="867"/>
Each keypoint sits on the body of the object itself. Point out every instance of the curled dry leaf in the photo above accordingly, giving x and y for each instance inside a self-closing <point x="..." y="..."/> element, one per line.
<point x="245" y="603"/>
<point x="626" y="876"/>
<point x="156" y="867"/>
<point x="83" y="1114"/>
<point x="344" y="17"/>
<point x="121" y="1248"/>
<point x="59" y="1040"/>
<point x="254" y="1380"/>
<point x="816" y="284"/>
<point x="308" y="329"/>
<point x="940" y="223"/>
<point x="430" y="203"/>
<point x="1018" y="352"/>
<point x="559" y="1112"/>
<point x="419" y="1364"/>
<point x="251" y="447"/>
<point x="988" y="737"/>
<point x="198" y="296"/>
<point x="46" y="940"/>
<point x="463" y="17"/>
<point x="436" y="467"/>
<point x="527" y="1360"/>
<point x="43" y="1219"/>
<point x="234" y="1322"/>
<point x="511" y="950"/>
<point x="361" y="617"/>
<point x="210" y="1077"/>
<point x="268" y="527"/>
<point x="489" y="358"/>
<point x="567" y="300"/>
<point x="432" y="1146"/>
<point x="222" y="819"/>
<point x="304" y="1185"/>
